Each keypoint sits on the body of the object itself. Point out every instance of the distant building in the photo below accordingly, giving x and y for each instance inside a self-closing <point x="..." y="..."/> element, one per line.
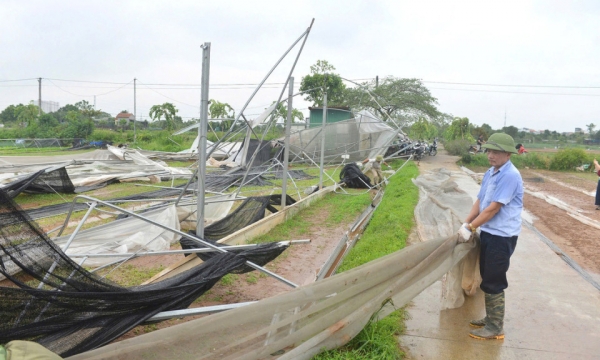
<point x="50" y="106"/>
<point x="334" y="114"/>
<point x="579" y="130"/>
<point x="124" y="115"/>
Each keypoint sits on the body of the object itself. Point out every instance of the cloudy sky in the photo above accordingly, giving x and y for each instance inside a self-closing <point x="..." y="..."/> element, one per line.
<point x="538" y="61"/>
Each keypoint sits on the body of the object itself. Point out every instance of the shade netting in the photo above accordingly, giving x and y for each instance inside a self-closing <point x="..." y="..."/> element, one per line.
<point x="60" y="305"/>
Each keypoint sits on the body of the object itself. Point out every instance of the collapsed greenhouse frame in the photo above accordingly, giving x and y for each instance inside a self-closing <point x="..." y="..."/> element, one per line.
<point x="353" y="151"/>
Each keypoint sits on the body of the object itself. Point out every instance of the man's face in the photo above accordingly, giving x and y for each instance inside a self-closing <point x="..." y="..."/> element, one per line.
<point x="497" y="158"/>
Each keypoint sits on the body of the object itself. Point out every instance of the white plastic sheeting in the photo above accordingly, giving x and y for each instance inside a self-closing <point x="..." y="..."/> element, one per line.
<point x="139" y="159"/>
<point x="127" y="235"/>
<point x="440" y="212"/>
<point x="301" y="323"/>
<point x="215" y="208"/>
<point x="364" y="136"/>
<point x="91" y="168"/>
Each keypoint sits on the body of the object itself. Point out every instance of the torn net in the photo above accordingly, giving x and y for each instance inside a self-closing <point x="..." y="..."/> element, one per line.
<point x="76" y="310"/>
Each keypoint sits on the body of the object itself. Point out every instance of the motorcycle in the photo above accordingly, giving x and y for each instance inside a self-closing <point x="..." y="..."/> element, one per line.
<point x="433" y="148"/>
<point x="474" y="150"/>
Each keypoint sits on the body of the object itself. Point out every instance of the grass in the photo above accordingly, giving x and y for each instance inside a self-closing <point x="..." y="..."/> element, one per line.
<point x="339" y="208"/>
<point x="129" y="275"/>
<point x="27" y="201"/>
<point x="387" y="232"/>
<point x="19" y="151"/>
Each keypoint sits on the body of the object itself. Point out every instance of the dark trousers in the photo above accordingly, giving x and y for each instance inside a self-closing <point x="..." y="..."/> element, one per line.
<point x="494" y="261"/>
<point x="598" y="194"/>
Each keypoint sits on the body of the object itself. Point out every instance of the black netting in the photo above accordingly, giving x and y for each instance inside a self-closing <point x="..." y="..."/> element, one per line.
<point x="213" y="182"/>
<point x="260" y="255"/>
<point x="353" y="177"/>
<point x="264" y="152"/>
<point x="42" y="182"/>
<point x="74" y="310"/>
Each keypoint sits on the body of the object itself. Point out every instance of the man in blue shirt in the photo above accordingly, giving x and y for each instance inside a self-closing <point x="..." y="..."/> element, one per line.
<point x="497" y="212"/>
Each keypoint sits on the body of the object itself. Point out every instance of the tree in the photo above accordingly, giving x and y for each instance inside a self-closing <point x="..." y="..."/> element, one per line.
<point x="480" y="130"/>
<point x="422" y="129"/>
<point x="78" y="126"/>
<point x="321" y="80"/>
<point x="61" y="114"/>
<point x="282" y="110"/>
<point x="459" y="129"/>
<point x="404" y="99"/>
<point x="9" y="115"/>
<point x="591" y="127"/>
<point x="166" y="111"/>
<point x="27" y="114"/>
<point x="87" y="109"/>
<point x="123" y="124"/>
<point x="219" y="110"/>
<point x="511" y="130"/>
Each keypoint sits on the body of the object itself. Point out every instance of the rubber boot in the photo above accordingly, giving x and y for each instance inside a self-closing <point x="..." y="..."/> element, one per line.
<point x="494" y="320"/>
<point x="478" y="323"/>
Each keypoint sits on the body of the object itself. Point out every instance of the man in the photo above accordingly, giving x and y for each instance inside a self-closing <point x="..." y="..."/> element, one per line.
<point x="376" y="168"/>
<point x="480" y="142"/>
<point x="497" y="211"/>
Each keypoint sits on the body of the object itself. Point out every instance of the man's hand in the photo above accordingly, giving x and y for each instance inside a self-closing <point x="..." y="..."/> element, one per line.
<point x="464" y="233"/>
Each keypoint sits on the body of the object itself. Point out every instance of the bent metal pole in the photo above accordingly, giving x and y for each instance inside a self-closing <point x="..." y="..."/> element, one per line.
<point x="185" y="235"/>
<point x="286" y="144"/>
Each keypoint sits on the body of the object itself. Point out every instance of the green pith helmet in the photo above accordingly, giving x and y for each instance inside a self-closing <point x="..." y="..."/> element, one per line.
<point x="501" y="142"/>
<point x="379" y="158"/>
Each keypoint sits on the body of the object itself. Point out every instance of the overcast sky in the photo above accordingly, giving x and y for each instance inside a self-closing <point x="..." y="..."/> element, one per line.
<point x="101" y="46"/>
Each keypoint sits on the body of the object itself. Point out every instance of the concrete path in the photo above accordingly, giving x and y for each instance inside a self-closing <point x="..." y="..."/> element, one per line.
<point x="551" y="311"/>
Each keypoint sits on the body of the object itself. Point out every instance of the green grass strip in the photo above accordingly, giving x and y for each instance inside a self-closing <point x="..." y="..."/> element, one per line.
<point x="387" y="232"/>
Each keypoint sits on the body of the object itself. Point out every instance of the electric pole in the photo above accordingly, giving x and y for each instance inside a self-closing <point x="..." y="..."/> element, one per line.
<point x="376" y="81"/>
<point x="40" y="97"/>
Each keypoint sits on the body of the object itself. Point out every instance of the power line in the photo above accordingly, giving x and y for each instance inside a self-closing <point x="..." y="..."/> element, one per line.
<point x="507" y="85"/>
<point x="18" y="80"/>
<point x="298" y="82"/>
<point x="514" y="92"/>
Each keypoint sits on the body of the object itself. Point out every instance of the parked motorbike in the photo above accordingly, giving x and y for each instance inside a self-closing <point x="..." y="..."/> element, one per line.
<point x="473" y="150"/>
<point x="433" y="148"/>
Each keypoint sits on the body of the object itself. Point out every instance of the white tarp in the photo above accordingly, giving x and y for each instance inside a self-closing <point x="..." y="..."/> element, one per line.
<point x="127" y="235"/>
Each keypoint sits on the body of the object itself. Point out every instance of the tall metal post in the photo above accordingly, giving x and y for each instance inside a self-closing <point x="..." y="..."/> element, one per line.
<point x="286" y="150"/>
<point x="40" y="97"/>
<point x="134" y="109"/>
<point x="323" y="140"/>
<point x="202" y="130"/>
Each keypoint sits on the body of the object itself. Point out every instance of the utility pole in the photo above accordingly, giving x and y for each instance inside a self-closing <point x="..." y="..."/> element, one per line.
<point x="94" y="102"/>
<point x="40" y="97"/>
<point x="202" y="130"/>
<point x="134" y="109"/>
<point x="504" y="117"/>
<point x="376" y="81"/>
